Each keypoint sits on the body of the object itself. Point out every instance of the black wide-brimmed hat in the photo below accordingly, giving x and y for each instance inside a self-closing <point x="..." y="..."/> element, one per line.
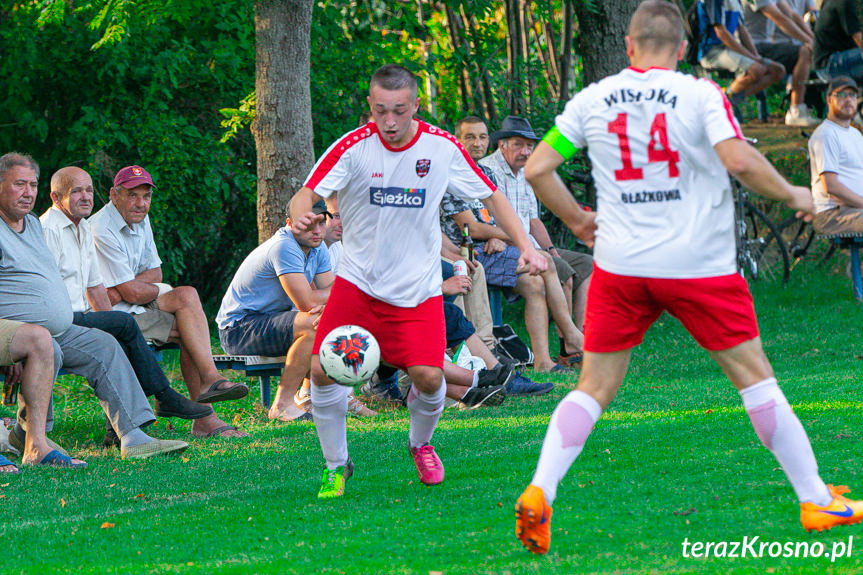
<point x="512" y="126"/>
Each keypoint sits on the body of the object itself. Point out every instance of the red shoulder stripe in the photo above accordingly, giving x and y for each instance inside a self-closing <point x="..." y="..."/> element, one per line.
<point x="335" y="154"/>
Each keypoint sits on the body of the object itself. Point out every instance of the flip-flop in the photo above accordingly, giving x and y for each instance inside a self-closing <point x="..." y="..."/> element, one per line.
<point x="4" y="462"/>
<point x="214" y="394"/>
<point x="57" y="459"/>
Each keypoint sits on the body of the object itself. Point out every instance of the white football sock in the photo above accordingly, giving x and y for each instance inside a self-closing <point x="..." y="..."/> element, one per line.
<point x="425" y="410"/>
<point x="330" y="410"/>
<point x="570" y="425"/>
<point x="781" y="432"/>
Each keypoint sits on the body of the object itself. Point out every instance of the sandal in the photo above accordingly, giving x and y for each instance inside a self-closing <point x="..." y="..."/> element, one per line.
<point x="214" y="394"/>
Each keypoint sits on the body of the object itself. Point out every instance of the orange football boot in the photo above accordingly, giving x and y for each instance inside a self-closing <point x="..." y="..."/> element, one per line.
<point x="841" y="511"/>
<point x="533" y="520"/>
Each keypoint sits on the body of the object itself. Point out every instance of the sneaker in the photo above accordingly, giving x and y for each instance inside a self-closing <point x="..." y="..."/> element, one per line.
<point x="386" y="390"/>
<point x="523" y="385"/>
<point x="170" y="403"/>
<point x="533" y="520"/>
<point x="303" y="399"/>
<point x="800" y="117"/>
<point x="357" y="407"/>
<point x="152" y="448"/>
<point x="111" y="439"/>
<point x="333" y="483"/>
<point x="429" y="466"/>
<point x="498" y="375"/>
<point x="841" y="511"/>
<point x="478" y="396"/>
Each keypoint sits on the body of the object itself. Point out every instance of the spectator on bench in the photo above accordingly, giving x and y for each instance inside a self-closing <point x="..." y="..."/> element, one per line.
<point x="839" y="39"/>
<point x="70" y="240"/>
<point x="28" y="270"/>
<point x="726" y="45"/>
<point x="761" y="18"/>
<point x="28" y="351"/>
<point x="132" y="272"/>
<point x="836" y="162"/>
<point x="272" y="308"/>
<point x="333" y="233"/>
<point x="542" y="293"/>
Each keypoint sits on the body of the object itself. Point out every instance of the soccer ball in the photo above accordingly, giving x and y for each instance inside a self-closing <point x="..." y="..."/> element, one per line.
<point x="350" y="355"/>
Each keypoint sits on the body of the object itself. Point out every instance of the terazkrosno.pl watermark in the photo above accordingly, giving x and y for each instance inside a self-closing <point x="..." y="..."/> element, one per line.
<point x="755" y="547"/>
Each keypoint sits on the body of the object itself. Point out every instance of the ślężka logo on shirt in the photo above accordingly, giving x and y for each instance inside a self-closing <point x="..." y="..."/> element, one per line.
<point x="397" y="197"/>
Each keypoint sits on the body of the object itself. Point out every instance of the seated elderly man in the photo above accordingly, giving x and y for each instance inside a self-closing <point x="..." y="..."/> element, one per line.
<point x="132" y="273"/>
<point x="28" y="271"/>
<point x="836" y="163"/>
<point x="272" y="306"/>
<point x="31" y="345"/>
<point x="68" y="236"/>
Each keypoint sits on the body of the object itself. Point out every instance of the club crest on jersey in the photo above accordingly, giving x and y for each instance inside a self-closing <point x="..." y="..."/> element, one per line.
<point x="423" y="167"/>
<point x="397" y="197"/>
<point x="352" y="349"/>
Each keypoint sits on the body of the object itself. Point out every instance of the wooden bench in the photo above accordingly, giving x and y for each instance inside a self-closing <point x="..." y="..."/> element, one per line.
<point x="258" y="366"/>
<point x="849" y="241"/>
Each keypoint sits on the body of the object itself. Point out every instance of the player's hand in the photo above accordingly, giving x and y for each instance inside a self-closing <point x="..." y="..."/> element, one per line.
<point x="532" y="262"/>
<point x="493" y="246"/>
<point x="456" y="285"/>
<point x="306" y="221"/>
<point x="801" y="202"/>
<point x="586" y="228"/>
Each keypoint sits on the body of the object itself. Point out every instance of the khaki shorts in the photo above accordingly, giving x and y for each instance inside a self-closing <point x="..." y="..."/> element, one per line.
<point x="839" y="220"/>
<point x="7" y="332"/>
<point x="155" y="324"/>
<point x="720" y="57"/>
<point x="575" y="265"/>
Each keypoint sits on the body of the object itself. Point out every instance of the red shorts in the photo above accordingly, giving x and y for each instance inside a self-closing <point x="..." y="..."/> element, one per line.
<point x="408" y="336"/>
<point x="717" y="311"/>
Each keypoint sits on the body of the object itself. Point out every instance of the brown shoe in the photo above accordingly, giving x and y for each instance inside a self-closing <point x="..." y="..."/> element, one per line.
<point x="359" y="408"/>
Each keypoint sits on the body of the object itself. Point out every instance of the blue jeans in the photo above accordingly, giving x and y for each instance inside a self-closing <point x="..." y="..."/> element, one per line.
<point x="847" y="63"/>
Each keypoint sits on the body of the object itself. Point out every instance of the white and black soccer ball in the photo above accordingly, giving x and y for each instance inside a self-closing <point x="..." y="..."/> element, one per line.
<point x="350" y="355"/>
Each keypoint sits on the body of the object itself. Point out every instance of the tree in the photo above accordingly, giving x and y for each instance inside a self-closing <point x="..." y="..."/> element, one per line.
<point x="602" y="27"/>
<point x="283" y="118"/>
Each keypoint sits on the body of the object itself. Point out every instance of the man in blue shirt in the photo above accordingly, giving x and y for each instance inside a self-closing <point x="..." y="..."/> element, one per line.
<point x="273" y="303"/>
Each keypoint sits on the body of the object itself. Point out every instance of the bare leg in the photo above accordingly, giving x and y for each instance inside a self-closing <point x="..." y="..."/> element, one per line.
<point x="578" y="303"/>
<point x="799" y="76"/>
<point x="560" y="312"/>
<point x="531" y="288"/>
<point x="297" y="366"/>
<point x="476" y="347"/>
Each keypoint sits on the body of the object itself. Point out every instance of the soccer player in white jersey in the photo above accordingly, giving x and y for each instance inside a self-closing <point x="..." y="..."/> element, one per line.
<point x="390" y="176"/>
<point x="660" y="143"/>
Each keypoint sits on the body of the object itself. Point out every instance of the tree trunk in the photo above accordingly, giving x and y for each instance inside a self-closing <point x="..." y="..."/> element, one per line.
<point x="601" y="33"/>
<point x="283" y="119"/>
<point x="515" y="59"/>
<point x="566" y="67"/>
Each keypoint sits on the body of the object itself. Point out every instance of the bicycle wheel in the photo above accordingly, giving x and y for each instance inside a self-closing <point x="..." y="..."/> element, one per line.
<point x="766" y="246"/>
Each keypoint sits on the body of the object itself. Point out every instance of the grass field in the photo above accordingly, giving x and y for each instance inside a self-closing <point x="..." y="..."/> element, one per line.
<point x="675" y="458"/>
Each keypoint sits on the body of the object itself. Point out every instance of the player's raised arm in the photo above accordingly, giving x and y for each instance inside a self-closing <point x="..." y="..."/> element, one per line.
<point x="506" y="218"/>
<point x="541" y="173"/>
<point x="301" y="209"/>
<point x="750" y="167"/>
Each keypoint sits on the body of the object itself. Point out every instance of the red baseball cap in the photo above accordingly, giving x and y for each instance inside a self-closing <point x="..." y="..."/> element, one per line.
<point x="132" y="177"/>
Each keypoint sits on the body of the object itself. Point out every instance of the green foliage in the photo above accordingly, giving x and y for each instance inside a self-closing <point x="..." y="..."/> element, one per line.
<point x="104" y="85"/>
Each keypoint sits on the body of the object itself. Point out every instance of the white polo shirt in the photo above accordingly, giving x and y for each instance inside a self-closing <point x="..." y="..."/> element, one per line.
<point x="123" y="251"/>
<point x="73" y="248"/>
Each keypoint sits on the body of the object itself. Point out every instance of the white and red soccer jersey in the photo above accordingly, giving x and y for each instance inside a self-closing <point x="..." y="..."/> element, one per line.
<point x="664" y="205"/>
<point x="388" y="201"/>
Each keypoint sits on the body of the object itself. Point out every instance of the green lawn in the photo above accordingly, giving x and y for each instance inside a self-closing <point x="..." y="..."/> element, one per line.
<point x="675" y="458"/>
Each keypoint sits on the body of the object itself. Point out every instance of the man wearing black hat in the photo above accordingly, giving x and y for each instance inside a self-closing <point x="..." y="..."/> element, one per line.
<point x="836" y="162"/>
<point x="514" y="142"/>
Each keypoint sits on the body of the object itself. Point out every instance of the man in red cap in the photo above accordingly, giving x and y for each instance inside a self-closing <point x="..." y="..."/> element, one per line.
<point x="132" y="273"/>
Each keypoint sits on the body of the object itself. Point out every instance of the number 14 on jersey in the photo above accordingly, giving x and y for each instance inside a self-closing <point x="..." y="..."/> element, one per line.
<point x="658" y="150"/>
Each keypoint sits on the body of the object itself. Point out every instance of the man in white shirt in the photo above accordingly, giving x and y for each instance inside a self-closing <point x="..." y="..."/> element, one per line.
<point x="836" y="163"/>
<point x="70" y="240"/>
<point x="132" y="273"/>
